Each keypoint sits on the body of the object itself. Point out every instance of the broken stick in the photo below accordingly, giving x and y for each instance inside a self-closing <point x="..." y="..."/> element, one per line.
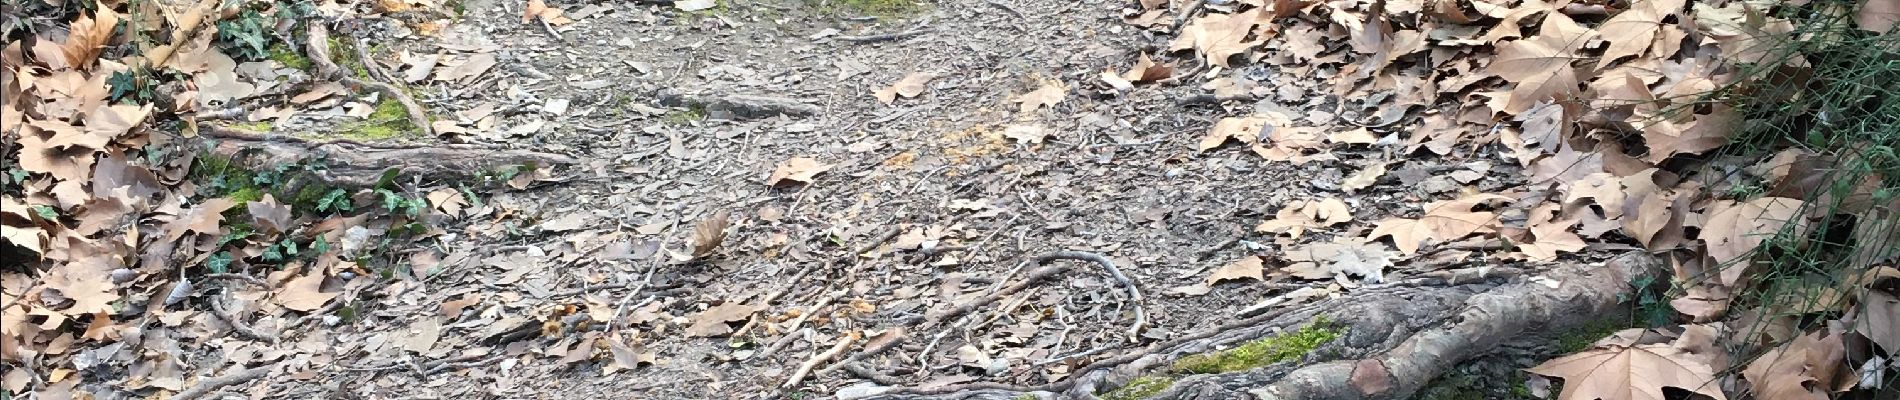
<point x="805" y="368"/>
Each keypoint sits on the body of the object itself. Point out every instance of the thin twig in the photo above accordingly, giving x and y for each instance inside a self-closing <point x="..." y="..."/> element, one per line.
<point x="238" y="277"/>
<point x="805" y="368"/>
<point x="207" y="386"/>
<point x="1134" y="293"/>
<point x="869" y="351"/>
<point x="885" y="37"/>
<point x="792" y="329"/>
<point x="237" y="325"/>
<point x="318" y="50"/>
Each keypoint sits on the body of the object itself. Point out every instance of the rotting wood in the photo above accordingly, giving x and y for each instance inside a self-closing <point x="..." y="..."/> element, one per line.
<point x="352" y="163"/>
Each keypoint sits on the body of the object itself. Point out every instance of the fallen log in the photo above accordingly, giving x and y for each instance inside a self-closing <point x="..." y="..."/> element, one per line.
<point x="1397" y="339"/>
<point x="357" y="164"/>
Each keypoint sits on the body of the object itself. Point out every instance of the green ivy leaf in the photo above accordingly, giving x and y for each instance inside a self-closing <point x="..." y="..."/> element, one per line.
<point x="46" y="213"/>
<point x="218" y="263"/>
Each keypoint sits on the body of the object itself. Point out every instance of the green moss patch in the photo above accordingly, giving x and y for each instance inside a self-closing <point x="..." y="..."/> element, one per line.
<point x="1261" y="352"/>
<point x="289" y="58"/>
<point x="880" y="8"/>
<point x="1140" y="388"/>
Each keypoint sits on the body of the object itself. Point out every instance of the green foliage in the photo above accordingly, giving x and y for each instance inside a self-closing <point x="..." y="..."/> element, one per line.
<point x="45" y="212"/>
<point x="130" y="86"/>
<point x="1140" y="388"/>
<point x="218" y="263"/>
<point x="283" y="54"/>
<point x="278" y="252"/>
<point x="684" y="117"/>
<point x="1651" y="306"/>
<point x="1262" y="352"/>
<point x="336" y="200"/>
<point x="396" y="203"/>
<point x="243" y="37"/>
<point x="388" y="121"/>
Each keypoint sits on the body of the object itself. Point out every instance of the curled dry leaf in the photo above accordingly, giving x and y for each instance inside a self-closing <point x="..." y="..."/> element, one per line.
<point x="1051" y="92"/>
<point x="709" y="233"/>
<point x="1812" y="367"/>
<point x="911" y="85"/>
<point x="1298" y="216"/>
<point x="799" y="169"/>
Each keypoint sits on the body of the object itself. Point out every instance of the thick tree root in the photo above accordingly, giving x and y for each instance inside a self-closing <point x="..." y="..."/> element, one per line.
<point x="356" y="164"/>
<point x="1397" y="338"/>
<point x="318" y="51"/>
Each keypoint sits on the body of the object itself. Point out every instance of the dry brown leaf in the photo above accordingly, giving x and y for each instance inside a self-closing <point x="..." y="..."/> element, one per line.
<point x="1247" y="129"/>
<point x="1638" y="372"/>
<point x="1551" y="236"/>
<point x="453" y="308"/>
<point x="911" y="85"/>
<point x="712" y="322"/>
<point x="537" y="9"/>
<point x="1051" y="92"/>
<point x="1343" y="258"/>
<point x="1364" y="178"/>
<point x="799" y="169"/>
<point x="1811" y="367"/>
<point x="305" y="293"/>
<point x="1146" y="70"/>
<point x="204" y="218"/>
<point x="1030" y="134"/>
<point x="1298" y="216"/>
<point x="629" y="356"/>
<point x="88" y="36"/>
<point x="1219" y="36"/>
<point x="1735" y="229"/>
<point x="1632" y="31"/>
<point x="1540" y="65"/>
<point x="1248" y="267"/>
<point x="1407" y="234"/>
<point x="1877" y="16"/>
<point x="709" y="233"/>
<point x="1879" y="319"/>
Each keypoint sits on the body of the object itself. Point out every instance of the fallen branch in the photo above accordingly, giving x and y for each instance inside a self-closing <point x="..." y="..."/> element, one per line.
<point x="885" y="37"/>
<point x="352" y="163"/>
<point x="805" y="368"/>
<point x="237" y="325"/>
<point x="187" y="25"/>
<point x="317" y="48"/>
<point x="1134" y="293"/>
<point x="870" y="350"/>
<point x="792" y="329"/>
<point x="205" y="387"/>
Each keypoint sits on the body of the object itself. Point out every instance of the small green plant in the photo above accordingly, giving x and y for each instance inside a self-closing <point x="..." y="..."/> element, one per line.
<point x="1580" y="338"/>
<point x="218" y="263"/>
<point x="685" y="116"/>
<point x="1140" y="388"/>
<point x="396" y="203"/>
<point x="879" y="8"/>
<point x="278" y="252"/>
<point x="130" y="86"/>
<point x="336" y="200"/>
<point x="283" y="54"/>
<point x="1258" y="353"/>
<point x="244" y="36"/>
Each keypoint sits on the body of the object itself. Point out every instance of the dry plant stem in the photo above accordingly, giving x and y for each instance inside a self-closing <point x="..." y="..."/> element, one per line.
<point x="869" y="351"/>
<point x="805" y="368"/>
<point x="318" y="49"/>
<point x="792" y="329"/>
<point x="237" y="325"/>
<point x="188" y="25"/>
<point x="238" y="277"/>
<point x="207" y="386"/>
<point x="1134" y="293"/>
<point x="885" y="37"/>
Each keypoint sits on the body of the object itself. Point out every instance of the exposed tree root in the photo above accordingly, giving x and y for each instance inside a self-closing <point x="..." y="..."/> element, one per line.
<point x="209" y="385"/>
<point x="353" y="163"/>
<point x="1397" y="337"/>
<point x="317" y="49"/>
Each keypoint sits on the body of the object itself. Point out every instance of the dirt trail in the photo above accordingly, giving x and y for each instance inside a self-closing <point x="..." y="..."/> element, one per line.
<point x="1113" y="176"/>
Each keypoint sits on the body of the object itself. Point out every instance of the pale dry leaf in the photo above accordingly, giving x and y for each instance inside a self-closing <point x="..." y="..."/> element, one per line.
<point x="1341" y="259"/>
<point x="88" y="36"/>
<point x="1365" y="178"/>
<point x="713" y="321"/>
<point x="267" y="213"/>
<point x="452" y="309"/>
<point x="1246" y="129"/>
<point x="304" y="293"/>
<point x="1407" y="234"/>
<point x="203" y="218"/>
<point x="1878" y="16"/>
<point x="1146" y="70"/>
<point x="695" y="5"/>
<point x="1031" y="134"/>
<point x="1879" y="320"/>
<point x="709" y="233"/>
<point x="1811" y="367"/>
<point x="1734" y="230"/>
<point x="1298" y="216"/>
<point x="538" y="9"/>
<point x="1540" y="65"/>
<point x="1248" y="267"/>
<point x="911" y="85"/>
<point x="1220" y="36"/>
<point x="1051" y="93"/>
<point x="1632" y="31"/>
<point x="448" y="200"/>
<point x="1638" y="372"/>
<point x="798" y="169"/>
